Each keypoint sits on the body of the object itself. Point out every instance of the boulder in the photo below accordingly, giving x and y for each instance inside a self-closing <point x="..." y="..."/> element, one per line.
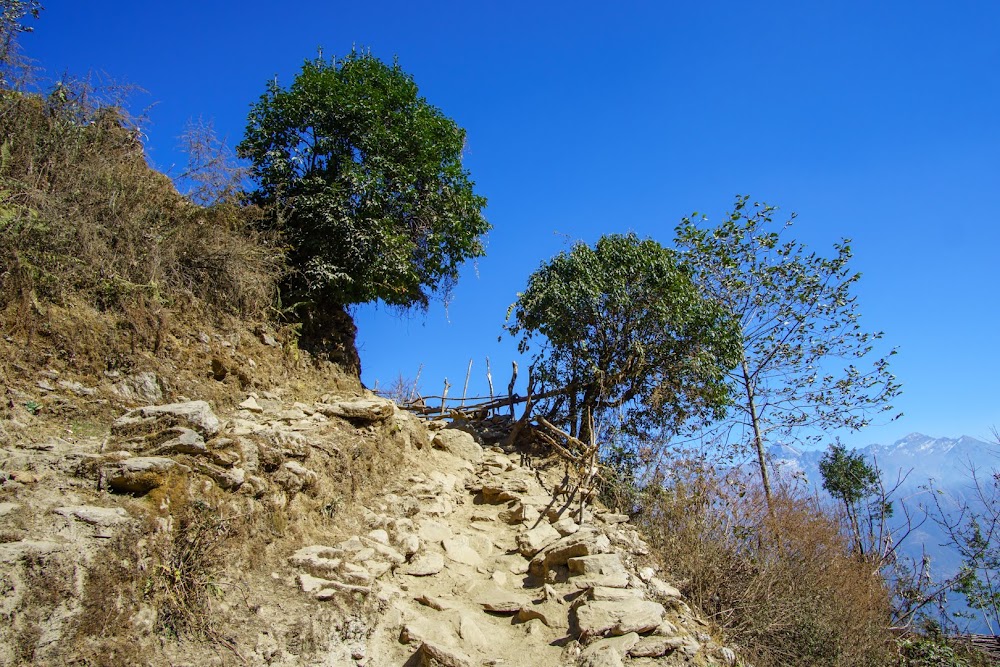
<point x="585" y="542"/>
<point x="459" y="443"/>
<point x="530" y="542"/>
<point x="620" y="617"/>
<point x="604" y="570"/>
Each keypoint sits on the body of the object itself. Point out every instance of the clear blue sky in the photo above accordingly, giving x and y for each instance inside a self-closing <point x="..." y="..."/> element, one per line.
<point x="874" y="121"/>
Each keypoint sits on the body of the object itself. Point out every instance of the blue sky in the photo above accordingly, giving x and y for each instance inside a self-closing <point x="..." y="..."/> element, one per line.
<point x="873" y="121"/>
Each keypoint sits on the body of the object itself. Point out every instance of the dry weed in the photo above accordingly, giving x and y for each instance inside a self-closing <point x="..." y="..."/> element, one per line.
<point x="784" y="585"/>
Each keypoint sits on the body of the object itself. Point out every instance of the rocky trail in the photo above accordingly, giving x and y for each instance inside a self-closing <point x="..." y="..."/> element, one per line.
<point x="466" y="556"/>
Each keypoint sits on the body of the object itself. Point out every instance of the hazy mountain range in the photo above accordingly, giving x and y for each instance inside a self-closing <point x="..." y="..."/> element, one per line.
<point x="916" y="460"/>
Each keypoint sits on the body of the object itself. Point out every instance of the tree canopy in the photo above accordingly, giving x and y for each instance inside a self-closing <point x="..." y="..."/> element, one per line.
<point x="802" y="342"/>
<point x="365" y="181"/>
<point x="621" y="328"/>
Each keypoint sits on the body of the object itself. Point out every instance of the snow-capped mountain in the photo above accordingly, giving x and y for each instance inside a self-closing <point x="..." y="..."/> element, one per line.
<point x="917" y="457"/>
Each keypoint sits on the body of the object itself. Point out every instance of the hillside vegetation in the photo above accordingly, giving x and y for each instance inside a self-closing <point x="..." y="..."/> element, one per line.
<point x="124" y="304"/>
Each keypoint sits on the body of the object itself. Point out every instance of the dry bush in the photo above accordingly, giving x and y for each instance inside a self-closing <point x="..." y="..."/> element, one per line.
<point x="164" y="576"/>
<point x="85" y="223"/>
<point x="784" y="585"/>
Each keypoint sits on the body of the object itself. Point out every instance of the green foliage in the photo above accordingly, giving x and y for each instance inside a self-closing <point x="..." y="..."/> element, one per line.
<point x="846" y="475"/>
<point x="800" y="329"/>
<point x="858" y="486"/>
<point x="627" y="336"/>
<point x="365" y="180"/>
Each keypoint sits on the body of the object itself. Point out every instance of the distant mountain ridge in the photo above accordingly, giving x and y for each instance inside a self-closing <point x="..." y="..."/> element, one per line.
<point x="920" y="457"/>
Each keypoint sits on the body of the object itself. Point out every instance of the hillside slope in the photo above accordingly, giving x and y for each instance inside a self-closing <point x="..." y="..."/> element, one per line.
<point x="333" y="530"/>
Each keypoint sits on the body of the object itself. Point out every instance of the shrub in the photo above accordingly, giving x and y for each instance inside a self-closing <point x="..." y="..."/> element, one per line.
<point x="84" y="222"/>
<point x="783" y="584"/>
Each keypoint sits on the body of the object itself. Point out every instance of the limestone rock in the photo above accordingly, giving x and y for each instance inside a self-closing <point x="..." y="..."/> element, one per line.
<point x="196" y="415"/>
<point x="424" y="565"/>
<point x="251" y="405"/>
<point x="181" y="441"/>
<point x="663" y="589"/>
<point x="295" y="477"/>
<point x="602" y="593"/>
<point x="585" y="542"/>
<point x="318" y="560"/>
<point x="655" y="646"/>
<point x="530" y="542"/>
<point x="608" y="652"/>
<point x="359" y="410"/>
<point x="140" y="388"/>
<point x="604" y="570"/>
<point x="409" y="431"/>
<point x="566" y="526"/>
<point x="459" y="550"/>
<point x="95" y="516"/>
<point x="459" y="443"/>
<point x="140" y="474"/>
<point x="618" y="618"/>
<point x="496" y="493"/>
<point x="435" y="655"/>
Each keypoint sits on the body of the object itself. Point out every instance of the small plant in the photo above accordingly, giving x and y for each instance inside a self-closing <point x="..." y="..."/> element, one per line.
<point x="33" y="407"/>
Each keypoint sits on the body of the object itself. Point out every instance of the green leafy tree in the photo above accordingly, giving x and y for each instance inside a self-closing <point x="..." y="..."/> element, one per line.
<point x="857" y="485"/>
<point x="799" y="323"/>
<point x="623" y="334"/>
<point x="365" y="181"/>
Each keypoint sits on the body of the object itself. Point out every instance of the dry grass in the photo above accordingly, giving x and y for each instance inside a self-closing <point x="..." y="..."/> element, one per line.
<point x="99" y="254"/>
<point x="784" y="585"/>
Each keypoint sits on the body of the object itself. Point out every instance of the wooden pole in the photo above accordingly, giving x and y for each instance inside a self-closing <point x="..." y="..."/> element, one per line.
<point x="465" y="389"/>
<point x="489" y="379"/>
<point x="510" y="388"/>
<point x="444" y="396"/>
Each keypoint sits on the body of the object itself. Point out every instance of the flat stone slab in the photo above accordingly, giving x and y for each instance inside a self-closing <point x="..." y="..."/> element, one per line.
<point x="359" y="410"/>
<point x="196" y="415"/>
<point x="460" y="550"/>
<point x="608" y="652"/>
<point x="93" y="515"/>
<point x="599" y="618"/>
<point x="605" y="570"/>
<point x="425" y="565"/>
<point x="654" y="646"/>
<point x="606" y="594"/>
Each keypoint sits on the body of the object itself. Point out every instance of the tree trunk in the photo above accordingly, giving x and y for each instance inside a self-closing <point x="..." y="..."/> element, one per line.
<point x="758" y="439"/>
